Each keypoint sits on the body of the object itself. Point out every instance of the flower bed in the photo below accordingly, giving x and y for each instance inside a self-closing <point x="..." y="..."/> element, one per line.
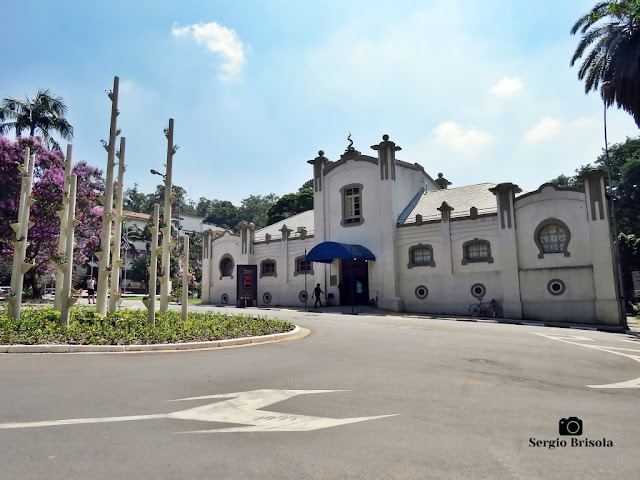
<point x="130" y="327"/>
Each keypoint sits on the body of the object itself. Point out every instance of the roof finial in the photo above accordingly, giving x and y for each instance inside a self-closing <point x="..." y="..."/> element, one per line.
<point x="350" y="148"/>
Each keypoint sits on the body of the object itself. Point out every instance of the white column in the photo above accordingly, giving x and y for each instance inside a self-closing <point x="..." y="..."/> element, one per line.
<point x="165" y="279"/>
<point x="153" y="265"/>
<point x="67" y="300"/>
<point x="21" y="227"/>
<point x="185" y="279"/>
<point x="117" y="232"/>
<point x="105" y="242"/>
<point x="62" y="269"/>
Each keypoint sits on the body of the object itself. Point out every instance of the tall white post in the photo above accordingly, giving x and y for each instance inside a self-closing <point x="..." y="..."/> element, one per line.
<point x="117" y="232"/>
<point x="21" y="228"/>
<point x="185" y="279"/>
<point x="67" y="299"/>
<point x="165" y="279"/>
<point x="105" y="243"/>
<point x="63" y="267"/>
<point x="153" y="265"/>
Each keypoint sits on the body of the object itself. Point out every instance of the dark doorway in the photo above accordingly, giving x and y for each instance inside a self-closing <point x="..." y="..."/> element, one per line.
<point x="352" y="273"/>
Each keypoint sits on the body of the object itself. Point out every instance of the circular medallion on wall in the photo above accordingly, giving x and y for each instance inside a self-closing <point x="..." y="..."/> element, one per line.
<point x="224" y="299"/>
<point x="422" y="292"/>
<point x="556" y="287"/>
<point x="266" y="297"/>
<point x="303" y="296"/>
<point x="478" y="290"/>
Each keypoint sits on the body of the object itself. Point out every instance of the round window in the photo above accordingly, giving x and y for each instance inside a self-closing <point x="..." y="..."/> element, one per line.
<point x="556" y="287"/>
<point x="478" y="290"/>
<point x="224" y="299"/>
<point x="302" y="296"/>
<point x="422" y="292"/>
<point x="266" y="297"/>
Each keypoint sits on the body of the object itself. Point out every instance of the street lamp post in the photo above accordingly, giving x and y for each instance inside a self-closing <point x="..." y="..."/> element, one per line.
<point x="606" y="96"/>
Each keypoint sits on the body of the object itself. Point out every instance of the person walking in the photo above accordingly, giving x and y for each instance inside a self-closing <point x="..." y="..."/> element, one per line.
<point x="317" y="292"/>
<point x="91" y="289"/>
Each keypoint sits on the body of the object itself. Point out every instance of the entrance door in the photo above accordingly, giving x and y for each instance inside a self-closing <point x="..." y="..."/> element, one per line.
<point x="354" y="282"/>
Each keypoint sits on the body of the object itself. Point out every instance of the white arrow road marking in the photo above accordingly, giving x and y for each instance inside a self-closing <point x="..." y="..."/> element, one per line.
<point x="241" y="408"/>
<point x="635" y="383"/>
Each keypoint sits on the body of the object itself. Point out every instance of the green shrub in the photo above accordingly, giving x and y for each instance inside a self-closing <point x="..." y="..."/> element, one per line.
<point x="130" y="327"/>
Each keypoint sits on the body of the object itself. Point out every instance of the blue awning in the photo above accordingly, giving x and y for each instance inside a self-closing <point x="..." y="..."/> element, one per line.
<point x="326" y="252"/>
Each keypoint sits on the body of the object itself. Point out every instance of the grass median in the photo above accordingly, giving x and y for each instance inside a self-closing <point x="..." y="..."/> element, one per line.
<point x="130" y="327"/>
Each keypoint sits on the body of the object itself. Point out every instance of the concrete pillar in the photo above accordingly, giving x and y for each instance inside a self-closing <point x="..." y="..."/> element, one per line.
<point x="67" y="299"/>
<point x="169" y="198"/>
<point x="153" y="265"/>
<point x="608" y="308"/>
<point x="319" y="163"/>
<point x="508" y="248"/>
<point x="104" y="255"/>
<point x="21" y="228"/>
<point x="185" y="279"/>
<point x="63" y="268"/>
<point x="117" y="232"/>
<point x="386" y="264"/>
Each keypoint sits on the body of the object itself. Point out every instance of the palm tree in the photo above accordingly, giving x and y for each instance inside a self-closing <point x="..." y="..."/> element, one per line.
<point x="44" y="114"/>
<point x="611" y="45"/>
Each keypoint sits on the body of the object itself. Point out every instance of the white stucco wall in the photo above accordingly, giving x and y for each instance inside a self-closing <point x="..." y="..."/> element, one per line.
<point x="449" y="282"/>
<point x="587" y="272"/>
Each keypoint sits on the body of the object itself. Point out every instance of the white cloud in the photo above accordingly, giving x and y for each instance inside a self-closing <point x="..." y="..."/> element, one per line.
<point x="456" y="138"/>
<point x="544" y="130"/>
<point x="507" y="87"/>
<point x="219" y="40"/>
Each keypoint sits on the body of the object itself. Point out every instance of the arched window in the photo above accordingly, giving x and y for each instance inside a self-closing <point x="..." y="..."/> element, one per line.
<point x="226" y="266"/>
<point x="421" y="256"/>
<point x="475" y="251"/>
<point x="268" y="268"/>
<point x="552" y="236"/>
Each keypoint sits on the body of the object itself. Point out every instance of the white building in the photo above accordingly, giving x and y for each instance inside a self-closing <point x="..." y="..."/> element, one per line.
<point x="135" y="223"/>
<point x="544" y="255"/>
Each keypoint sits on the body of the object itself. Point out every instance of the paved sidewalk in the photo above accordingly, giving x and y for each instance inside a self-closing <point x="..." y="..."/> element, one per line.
<point x="634" y="324"/>
<point x="632" y="321"/>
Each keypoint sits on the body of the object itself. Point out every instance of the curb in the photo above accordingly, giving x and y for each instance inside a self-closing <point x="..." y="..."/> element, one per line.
<point x="158" y="347"/>
<point x="530" y="323"/>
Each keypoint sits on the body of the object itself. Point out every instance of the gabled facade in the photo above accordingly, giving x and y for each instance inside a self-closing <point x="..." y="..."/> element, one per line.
<point x="543" y="255"/>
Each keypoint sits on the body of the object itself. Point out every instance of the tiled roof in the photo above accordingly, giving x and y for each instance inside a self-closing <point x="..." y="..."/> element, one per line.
<point x="304" y="219"/>
<point x="141" y="216"/>
<point x="461" y="199"/>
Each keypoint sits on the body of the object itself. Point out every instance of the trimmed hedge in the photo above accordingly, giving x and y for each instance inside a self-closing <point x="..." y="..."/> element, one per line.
<point x="130" y="327"/>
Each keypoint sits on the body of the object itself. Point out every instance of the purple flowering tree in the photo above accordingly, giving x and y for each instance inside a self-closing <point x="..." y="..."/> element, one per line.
<point x="47" y="191"/>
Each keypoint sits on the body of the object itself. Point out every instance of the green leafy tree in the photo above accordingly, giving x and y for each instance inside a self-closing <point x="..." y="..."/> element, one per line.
<point x="610" y="46"/>
<point x="291" y="204"/>
<point x="140" y="270"/>
<point x="255" y="208"/>
<point x="135" y="201"/>
<point x="43" y="115"/>
<point x="624" y="160"/>
<point x="567" y="182"/>
<point x="224" y="214"/>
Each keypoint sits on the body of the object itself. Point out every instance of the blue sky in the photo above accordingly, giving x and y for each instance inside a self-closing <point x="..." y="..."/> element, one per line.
<point x="480" y="91"/>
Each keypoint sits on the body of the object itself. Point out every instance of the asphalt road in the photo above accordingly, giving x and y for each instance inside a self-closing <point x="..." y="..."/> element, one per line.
<point x="468" y="401"/>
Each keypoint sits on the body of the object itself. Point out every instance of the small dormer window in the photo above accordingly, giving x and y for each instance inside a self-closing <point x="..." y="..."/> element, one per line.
<point x="352" y="205"/>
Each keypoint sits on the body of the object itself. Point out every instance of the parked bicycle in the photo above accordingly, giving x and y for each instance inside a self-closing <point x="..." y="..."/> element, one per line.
<point x="485" y="309"/>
